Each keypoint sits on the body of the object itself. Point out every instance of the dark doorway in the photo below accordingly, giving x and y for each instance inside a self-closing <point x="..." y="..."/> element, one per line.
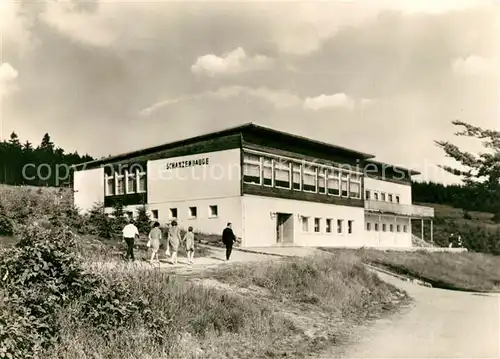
<point x="284" y="228"/>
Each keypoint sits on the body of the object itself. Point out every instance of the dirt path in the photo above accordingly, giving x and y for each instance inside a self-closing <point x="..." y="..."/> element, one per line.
<point x="439" y="324"/>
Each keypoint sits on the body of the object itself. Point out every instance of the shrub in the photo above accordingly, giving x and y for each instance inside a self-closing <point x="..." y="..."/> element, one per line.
<point x="6" y="226"/>
<point x="41" y="276"/>
<point x="99" y="223"/>
<point x="143" y="221"/>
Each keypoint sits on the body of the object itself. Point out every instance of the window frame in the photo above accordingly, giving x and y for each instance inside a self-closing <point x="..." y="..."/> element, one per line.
<point x="246" y="160"/>
<point x="317" y="225"/>
<point x="340" y="226"/>
<point x="310" y="173"/>
<point x="210" y="211"/>
<point x="279" y="166"/>
<point x="329" y="225"/>
<point x="108" y="178"/>
<point x="171" y="216"/>
<point x="350" y="226"/>
<point x="190" y="212"/>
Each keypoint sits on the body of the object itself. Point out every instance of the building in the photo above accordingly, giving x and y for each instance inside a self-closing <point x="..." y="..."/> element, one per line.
<point x="274" y="187"/>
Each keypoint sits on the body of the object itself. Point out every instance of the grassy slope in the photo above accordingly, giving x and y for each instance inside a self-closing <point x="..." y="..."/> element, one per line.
<point x="285" y="308"/>
<point x="460" y="271"/>
<point x="451" y="220"/>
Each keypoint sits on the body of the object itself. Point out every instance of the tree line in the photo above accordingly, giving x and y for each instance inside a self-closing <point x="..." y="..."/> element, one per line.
<point x="44" y="165"/>
<point x="470" y="198"/>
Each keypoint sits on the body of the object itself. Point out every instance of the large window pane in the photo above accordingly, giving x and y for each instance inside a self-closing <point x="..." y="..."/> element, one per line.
<point x="309" y="179"/>
<point x="296" y="176"/>
<point x="333" y="183"/>
<point x="120" y="185"/>
<point x="251" y="169"/>
<point x="355" y="189"/>
<point x="321" y="180"/>
<point x="267" y="172"/>
<point x="345" y="184"/>
<point x="110" y="186"/>
<point x="131" y="183"/>
<point x="142" y="182"/>
<point x="282" y="174"/>
<point x="251" y="173"/>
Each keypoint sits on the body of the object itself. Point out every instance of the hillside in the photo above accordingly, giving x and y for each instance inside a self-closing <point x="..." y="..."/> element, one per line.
<point x="478" y="230"/>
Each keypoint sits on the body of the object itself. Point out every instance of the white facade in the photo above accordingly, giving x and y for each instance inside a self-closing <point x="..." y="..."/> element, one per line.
<point x="205" y="191"/>
<point x="307" y="223"/>
<point x="88" y="188"/>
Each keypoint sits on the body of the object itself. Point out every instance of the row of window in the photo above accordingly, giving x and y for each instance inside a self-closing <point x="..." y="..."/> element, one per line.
<point x="326" y="226"/>
<point x="127" y="183"/>
<point x="381" y="196"/>
<point x="376" y="227"/>
<point x="213" y="212"/>
<point x="304" y="176"/>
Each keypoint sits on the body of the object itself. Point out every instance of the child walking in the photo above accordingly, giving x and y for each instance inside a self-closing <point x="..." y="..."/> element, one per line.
<point x="189" y="241"/>
<point x="154" y="241"/>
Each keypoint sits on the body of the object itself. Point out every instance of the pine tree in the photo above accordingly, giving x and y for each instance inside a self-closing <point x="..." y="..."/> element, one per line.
<point x="143" y="221"/>
<point x="482" y="171"/>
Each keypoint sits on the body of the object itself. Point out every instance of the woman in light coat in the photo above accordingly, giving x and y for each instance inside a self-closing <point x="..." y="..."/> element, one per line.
<point x="174" y="238"/>
<point x="154" y="241"/>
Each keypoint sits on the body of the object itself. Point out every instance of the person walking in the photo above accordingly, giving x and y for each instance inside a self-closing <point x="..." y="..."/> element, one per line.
<point x="154" y="241"/>
<point x="129" y="234"/>
<point x="189" y="242"/>
<point x="174" y="237"/>
<point x="228" y="238"/>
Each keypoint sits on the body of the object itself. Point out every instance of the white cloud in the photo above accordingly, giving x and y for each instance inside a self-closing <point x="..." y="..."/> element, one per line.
<point x="7" y="75"/>
<point x="278" y="99"/>
<point x="339" y="100"/>
<point x="474" y="65"/>
<point x="234" y="62"/>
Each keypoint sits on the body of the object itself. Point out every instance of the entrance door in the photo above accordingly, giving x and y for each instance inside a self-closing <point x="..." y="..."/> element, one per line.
<point x="284" y="228"/>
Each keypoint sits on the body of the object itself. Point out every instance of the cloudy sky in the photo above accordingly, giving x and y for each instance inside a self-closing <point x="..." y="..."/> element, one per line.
<point x="385" y="77"/>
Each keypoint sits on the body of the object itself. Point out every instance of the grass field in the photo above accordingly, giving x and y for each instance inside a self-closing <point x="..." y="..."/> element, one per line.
<point x="459" y="271"/>
<point x="289" y="308"/>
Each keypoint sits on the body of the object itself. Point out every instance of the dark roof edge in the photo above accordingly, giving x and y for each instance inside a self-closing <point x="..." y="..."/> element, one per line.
<point x="409" y="170"/>
<point x="248" y="125"/>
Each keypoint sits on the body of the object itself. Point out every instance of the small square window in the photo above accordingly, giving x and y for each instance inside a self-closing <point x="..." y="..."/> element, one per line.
<point x="405" y="229"/>
<point x="391" y="228"/>
<point x="173" y="213"/>
<point x="368" y="226"/>
<point x="155" y="214"/>
<point x="213" y="211"/>
<point x="349" y="226"/>
<point x="193" y="212"/>
<point x="339" y="226"/>
<point x="376" y="227"/>
<point x="384" y="227"/>
<point x="328" y="228"/>
<point x="382" y="196"/>
<point x="390" y="198"/>
<point x="398" y="228"/>
<point x="397" y="199"/>
<point x="367" y="194"/>
<point x="317" y="225"/>
<point x="375" y="196"/>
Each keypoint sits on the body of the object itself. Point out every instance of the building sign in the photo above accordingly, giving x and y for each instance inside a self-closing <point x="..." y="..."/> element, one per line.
<point x="188" y="163"/>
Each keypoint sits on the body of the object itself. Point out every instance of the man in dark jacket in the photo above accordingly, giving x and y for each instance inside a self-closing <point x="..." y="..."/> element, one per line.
<point x="228" y="238"/>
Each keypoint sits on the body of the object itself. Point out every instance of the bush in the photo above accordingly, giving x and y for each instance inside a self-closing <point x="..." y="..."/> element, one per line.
<point x="6" y="226"/>
<point x="41" y="276"/>
<point x="98" y="222"/>
<point x="143" y="222"/>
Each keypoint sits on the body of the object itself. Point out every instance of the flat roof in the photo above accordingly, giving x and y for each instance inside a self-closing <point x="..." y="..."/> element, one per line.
<point x="410" y="171"/>
<point x="226" y="131"/>
<point x="239" y="129"/>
